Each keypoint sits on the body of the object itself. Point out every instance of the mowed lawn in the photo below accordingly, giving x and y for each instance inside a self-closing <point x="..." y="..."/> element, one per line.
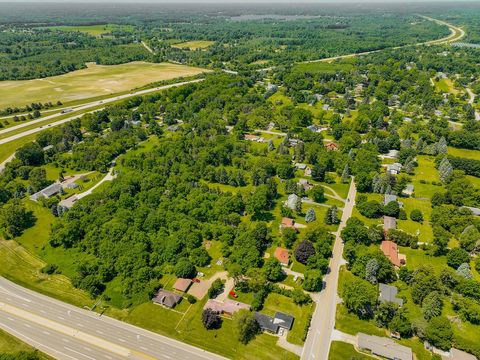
<point x="94" y="30"/>
<point x="96" y="80"/>
<point x="194" y="45"/>
<point x="464" y="153"/>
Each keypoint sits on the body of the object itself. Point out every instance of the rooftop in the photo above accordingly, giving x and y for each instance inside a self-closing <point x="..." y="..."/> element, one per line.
<point x="383" y="346"/>
<point x="182" y="284"/>
<point x="166" y="298"/>
<point x="389" y="223"/>
<point x="281" y="255"/>
<point x="227" y="306"/>
<point x="389" y="293"/>
<point x="390" y="250"/>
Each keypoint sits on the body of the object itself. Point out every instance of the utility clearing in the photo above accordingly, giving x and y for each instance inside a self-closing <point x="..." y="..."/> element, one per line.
<point x="95" y="80"/>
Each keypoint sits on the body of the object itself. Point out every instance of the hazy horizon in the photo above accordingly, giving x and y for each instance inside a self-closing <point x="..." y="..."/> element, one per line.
<point x="237" y="1"/>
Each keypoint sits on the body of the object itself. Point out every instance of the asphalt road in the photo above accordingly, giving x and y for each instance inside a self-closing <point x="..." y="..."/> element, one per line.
<point x="66" y="332"/>
<point x="317" y="344"/>
<point x="79" y="108"/>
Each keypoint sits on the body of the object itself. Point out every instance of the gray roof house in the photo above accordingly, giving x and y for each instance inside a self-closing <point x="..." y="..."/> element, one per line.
<point x="389" y="294"/>
<point x="384" y="347"/>
<point x="394" y="168"/>
<point x="389" y="223"/>
<point x="388" y="198"/>
<point x="292" y="201"/>
<point x="48" y="192"/>
<point x="68" y="203"/>
<point x="166" y="298"/>
<point x="273" y="324"/>
<point x="456" y="354"/>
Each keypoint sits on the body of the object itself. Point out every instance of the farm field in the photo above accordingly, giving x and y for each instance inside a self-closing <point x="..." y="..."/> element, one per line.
<point x="94" y="30"/>
<point x="96" y="80"/>
<point x="194" y="45"/>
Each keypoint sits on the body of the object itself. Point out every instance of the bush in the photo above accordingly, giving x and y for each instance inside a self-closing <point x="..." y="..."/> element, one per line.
<point x="313" y="280"/>
<point x="191" y="299"/>
<point x="392" y="209"/>
<point x="416" y="215"/>
<point x="50" y="269"/>
<point x="216" y="288"/>
<point x="211" y="320"/>
<point x="439" y="332"/>
<point x="457" y="257"/>
<point x="371" y="209"/>
<point x="304" y="251"/>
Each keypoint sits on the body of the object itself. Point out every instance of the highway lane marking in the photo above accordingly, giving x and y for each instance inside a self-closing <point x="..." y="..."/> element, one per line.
<point x="77" y="352"/>
<point x="66" y="330"/>
<point x="46" y="332"/>
<point x="34" y="342"/>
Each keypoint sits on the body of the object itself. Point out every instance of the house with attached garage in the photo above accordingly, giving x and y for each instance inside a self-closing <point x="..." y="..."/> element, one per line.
<point x="276" y="324"/>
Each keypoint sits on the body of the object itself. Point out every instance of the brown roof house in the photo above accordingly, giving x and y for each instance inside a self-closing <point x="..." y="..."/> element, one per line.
<point x="287" y="223"/>
<point x="182" y="284"/>
<point x="166" y="298"/>
<point x="228" y="307"/>
<point x="390" y="250"/>
<point x="281" y="255"/>
<point x="331" y="146"/>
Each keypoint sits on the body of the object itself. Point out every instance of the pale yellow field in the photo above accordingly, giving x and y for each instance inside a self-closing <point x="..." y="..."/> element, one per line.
<point x="96" y="80"/>
<point x="194" y="45"/>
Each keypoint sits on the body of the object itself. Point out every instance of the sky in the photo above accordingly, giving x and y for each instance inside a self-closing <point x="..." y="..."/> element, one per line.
<point x="234" y="1"/>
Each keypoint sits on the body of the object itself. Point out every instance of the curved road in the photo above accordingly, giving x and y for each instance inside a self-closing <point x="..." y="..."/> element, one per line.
<point x="67" y="332"/>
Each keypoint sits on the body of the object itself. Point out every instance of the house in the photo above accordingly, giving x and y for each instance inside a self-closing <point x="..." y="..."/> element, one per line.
<point x="314" y="128"/>
<point x="388" y="293"/>
<point x="390" y="250"/>
<point x="251" y="137"/>
<point x="455" y="354"/>
<point x="227" y="307"/>
<point x="68" y="203"/>
<point x="326" y="107"/>
<point x="384" y="347"/>
<point x="331" y="146"/>
<point x="408" y="191"/>
<point x="293" y="142"/>
<point x="72" y="185"/>
<point x="474" y="210"/>
<point x="287" y="223"/>
<point x="300" y="166"/>
<point x="291" y="203"/>
<point x="166" y="298"/>
<point x="389" y="223"/>
<point x="274" y="324"/>
<point x="281" y="255"/>
<point x="392" y="154"/>
<point x="305" y="184"/>
<point x="48" y="192"/>
<point x="388" y="198"/>
<point x="182" y="284"/>
<point x="394" y="169"/>
<point x="47" y="148"/>
<point x="407" y="119"/>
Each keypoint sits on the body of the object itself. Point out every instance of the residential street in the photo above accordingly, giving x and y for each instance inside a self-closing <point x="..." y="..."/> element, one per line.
<point x="66" y="332"/>
<point x="317" y="345"/>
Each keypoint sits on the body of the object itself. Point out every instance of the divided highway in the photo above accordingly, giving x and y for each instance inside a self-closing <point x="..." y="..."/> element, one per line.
<point x="80" y="108"/>
<point x="66" y="332"/>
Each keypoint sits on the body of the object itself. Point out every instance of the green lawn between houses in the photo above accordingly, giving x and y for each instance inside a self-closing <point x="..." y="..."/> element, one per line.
<point x="343" y="351"/>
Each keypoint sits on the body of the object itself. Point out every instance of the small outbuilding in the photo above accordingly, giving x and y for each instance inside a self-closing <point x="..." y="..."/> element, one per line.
<point x="182" y="284"/>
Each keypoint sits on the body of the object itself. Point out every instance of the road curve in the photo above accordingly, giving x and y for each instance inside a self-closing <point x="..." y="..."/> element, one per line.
<point x="317" y="344"/>
<point x="66" y="332"/>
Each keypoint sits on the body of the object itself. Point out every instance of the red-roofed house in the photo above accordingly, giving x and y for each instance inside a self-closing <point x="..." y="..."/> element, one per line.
<point x="287" y="223"/>
<point x="331" y="146"/>
<point x="182" y="284"/>
<point x="281" y="255"/>
<point x="390" y="250"/>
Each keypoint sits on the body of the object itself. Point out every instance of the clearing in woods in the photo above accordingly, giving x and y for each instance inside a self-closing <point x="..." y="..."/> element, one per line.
<point x="194" y="45"/>
<point x="95" y="80"/>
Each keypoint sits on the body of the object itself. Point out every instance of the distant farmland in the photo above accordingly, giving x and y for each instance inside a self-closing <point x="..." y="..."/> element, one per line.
<point x="96" y="80"/>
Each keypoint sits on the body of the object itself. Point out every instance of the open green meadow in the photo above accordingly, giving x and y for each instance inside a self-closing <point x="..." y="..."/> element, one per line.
<point x="341" y="351"/>
<point x="194" y="45"/>
<point x="94" y="30"/>
<point x="95" y="80"/>
<point x="464" y="153"/>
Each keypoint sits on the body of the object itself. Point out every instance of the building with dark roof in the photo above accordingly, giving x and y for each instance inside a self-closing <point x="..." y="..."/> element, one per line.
<point x="274" y="324"/>
<point x="166" y="298"/>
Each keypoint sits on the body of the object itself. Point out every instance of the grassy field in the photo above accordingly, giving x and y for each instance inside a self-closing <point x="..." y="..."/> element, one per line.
<point x="446" y="86"/>
<point x="12" y="346"/>
<point x="464" y="153"/>
<point x="96" y="80"/>
<point x="6" y="150"/>
<point x="343" y="351"/>
<point x="94" y="30"/>
<point x="194" y="45"/>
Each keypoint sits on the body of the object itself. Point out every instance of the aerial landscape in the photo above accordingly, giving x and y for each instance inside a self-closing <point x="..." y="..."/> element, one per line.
<point x="240" y="180"/>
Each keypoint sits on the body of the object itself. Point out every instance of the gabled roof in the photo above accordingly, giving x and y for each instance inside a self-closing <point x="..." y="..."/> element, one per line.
<point x="389" y="293"/>
<point x="287" y="222"/>
<point x="182" y="284"/>
<point x="228" y="306"/>
<point x="389" y="223"/>
<point x="281" y="255"/>
<point x="284" y="320"/>
<point x="166" y="298"/>
<point x="390" y="250"/>
<point x="266" y="322"/>
<point x="383" y="346"/>
<point x="388" y="198"/>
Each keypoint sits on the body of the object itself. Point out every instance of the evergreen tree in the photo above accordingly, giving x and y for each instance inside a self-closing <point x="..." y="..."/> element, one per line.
<point x="445" y="170"/>
<point x="310" y="216"/>
<point x="371" y="271"/>
<point x="271" y="147"/>
<point x="331" y="217"/>
<point x="346" y="174"/>
<point x="442" y="147"/>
